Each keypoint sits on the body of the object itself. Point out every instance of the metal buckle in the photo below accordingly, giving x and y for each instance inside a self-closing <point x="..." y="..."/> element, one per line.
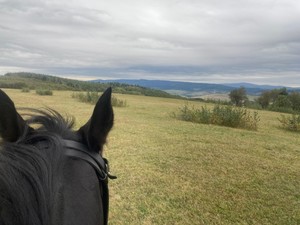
<point x="109" y="175"/>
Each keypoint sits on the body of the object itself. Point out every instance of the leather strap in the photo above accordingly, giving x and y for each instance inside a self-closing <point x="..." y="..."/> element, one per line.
<point x="79" y="151"/>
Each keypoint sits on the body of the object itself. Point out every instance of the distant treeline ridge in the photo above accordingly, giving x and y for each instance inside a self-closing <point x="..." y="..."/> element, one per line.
<point x="39" y="81"/>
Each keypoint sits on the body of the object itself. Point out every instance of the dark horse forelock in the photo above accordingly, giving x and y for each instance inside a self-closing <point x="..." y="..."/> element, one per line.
<point x="31" y="172"/>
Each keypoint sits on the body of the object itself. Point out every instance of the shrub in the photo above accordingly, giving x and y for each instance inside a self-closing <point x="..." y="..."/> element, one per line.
<point x="118" y="102"/>
<point x="88" y="97"/>
<point x="253" y="105"/>
<point x="44" y="92"/>
<point x="25" y="90"/>
<point x="92" y="97"/>
<point x="217" y="101"/>
<point x="291" y="122"/>
<point x="220" y="115"/>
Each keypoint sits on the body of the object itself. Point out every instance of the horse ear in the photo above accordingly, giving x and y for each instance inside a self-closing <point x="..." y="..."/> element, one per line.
<point x="12" y="124"/>
<point x="95" y="131"/>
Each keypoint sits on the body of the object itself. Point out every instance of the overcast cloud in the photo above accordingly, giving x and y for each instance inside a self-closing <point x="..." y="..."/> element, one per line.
<point x="212" y="41"/>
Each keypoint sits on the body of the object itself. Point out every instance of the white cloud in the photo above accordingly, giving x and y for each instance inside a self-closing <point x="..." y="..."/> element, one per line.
<point x="114" y="37"/>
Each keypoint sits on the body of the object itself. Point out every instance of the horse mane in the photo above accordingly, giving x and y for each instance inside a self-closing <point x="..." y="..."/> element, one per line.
<point x="31" y="171"/>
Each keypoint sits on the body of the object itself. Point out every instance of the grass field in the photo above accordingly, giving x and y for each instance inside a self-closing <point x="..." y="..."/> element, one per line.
<point x="175" y="172"/>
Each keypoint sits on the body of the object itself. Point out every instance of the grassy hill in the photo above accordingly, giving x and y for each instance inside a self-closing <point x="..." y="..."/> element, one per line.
<point x="40" y="81"/>
<point x="176" y="172"/>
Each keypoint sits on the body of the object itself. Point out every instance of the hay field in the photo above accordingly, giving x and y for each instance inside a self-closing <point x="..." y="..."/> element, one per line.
<point x="175" y="172"/>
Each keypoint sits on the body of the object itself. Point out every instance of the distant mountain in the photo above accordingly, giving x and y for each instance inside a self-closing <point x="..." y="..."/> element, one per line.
<point x="186" y="89"/>
<point x="189" y="89"/>
<point x="249" y="85"/>
<point x="172" y="85"/>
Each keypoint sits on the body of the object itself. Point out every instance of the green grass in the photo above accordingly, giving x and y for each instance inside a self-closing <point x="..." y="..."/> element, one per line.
<point x="176" y="172"/>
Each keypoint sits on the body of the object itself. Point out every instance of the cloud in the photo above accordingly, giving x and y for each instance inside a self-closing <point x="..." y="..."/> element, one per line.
<point x="195" y="40"/>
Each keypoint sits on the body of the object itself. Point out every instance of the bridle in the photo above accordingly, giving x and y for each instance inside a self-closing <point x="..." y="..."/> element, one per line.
<point x="79" y="151"/>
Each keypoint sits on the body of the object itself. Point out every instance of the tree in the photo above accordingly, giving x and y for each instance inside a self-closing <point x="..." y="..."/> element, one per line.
<point x="294" y="97"/>
<point x="283" y="102"/>
<point x="238" y="96"/>
<point x="282" y="91"/>
<point x="264" y="99"/>
<point x="269" y="97"/>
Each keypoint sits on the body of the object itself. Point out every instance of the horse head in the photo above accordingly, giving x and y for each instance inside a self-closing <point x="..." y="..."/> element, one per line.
<point x="50" y="173"/>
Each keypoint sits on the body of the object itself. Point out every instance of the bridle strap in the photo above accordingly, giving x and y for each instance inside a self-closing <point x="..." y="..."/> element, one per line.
<point x="79" y="151"/>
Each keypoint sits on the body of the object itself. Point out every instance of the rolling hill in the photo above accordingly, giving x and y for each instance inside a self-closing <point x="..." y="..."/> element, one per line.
<point x="159" y="88"/>
<point x="40" y="81"/>
<point x="189" y="89"/>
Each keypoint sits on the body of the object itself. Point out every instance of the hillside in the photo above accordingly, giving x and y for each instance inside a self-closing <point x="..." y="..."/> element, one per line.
<point x="186" y="89"/>
<point x="40" y="81"/>
<point x="189" y="89"/>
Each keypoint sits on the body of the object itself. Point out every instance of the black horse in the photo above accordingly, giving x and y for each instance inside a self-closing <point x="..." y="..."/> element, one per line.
<point x="49" y="174"/>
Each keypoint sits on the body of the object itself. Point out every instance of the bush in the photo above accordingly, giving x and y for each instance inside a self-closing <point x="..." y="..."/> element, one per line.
<point x="220" y="115"/>
<point x="44" y="92"/>
<point x="88" y="97"/>
<point x="291" y="122"/>
<point x="25" y="90"/>
<point x="117" y="102"/>
<point x="92" y="97"/>
<point x="253" y="105"/>
<point x="217" y="101"/>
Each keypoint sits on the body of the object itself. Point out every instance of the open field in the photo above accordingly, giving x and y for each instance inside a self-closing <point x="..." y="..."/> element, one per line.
<point x="175" y="172"/>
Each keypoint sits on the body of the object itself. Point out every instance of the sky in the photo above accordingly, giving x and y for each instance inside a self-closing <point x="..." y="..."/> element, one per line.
<point x="208" y="41"/>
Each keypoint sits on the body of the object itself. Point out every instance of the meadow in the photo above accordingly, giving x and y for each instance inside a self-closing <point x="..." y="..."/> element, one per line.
<point x="176" y="172"/>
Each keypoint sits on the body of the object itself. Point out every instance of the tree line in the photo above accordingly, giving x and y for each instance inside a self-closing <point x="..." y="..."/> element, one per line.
<point x="280" y="100"/>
